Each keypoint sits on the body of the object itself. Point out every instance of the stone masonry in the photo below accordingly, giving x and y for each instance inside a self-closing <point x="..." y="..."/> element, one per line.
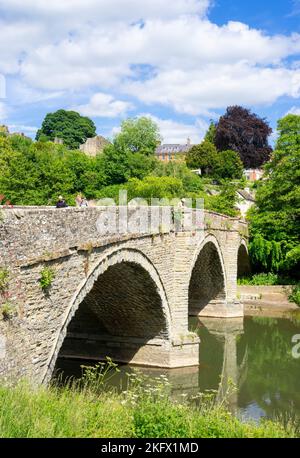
<point x="127" y="296"/>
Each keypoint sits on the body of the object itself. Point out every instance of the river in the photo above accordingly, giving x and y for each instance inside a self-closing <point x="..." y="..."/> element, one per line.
<point x="253" y="353"/>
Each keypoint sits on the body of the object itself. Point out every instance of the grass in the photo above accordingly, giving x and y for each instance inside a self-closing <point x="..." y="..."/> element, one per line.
<point x="86" y="409"/>
<point x="266" y="279"/>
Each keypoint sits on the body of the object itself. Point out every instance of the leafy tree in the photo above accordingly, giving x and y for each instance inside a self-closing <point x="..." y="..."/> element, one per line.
<point x="191" y="182"/>
<point x="246" y="133"/>
<point x="228" y="166"/>
<point x="211" y="133"/>
<point x="275" y="223"/>
<point x="139" y="135"/>
<point x="155" y="187"/>
<point x="69" y="126"/>
<point x="202" y="156"/>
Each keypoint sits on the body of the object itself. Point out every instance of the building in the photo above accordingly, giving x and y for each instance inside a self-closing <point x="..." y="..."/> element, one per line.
<point x="253" y="174"/>
<point x="94" y="146"/>
<point x="173" y="152"/>
<point x="245" y="201"/>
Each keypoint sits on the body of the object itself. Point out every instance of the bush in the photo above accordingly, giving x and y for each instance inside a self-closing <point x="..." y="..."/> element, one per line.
<point x="47" y="277"/>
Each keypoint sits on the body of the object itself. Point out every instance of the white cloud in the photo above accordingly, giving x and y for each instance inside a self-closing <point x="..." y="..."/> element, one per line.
<point x="3" y="111"/>
<point x="30" y="130"/>
<point x="217" y="86"/>
<point x="294" y="110"/>
<point x="104" y="105"/>
<point x="177" y="132"/>
<point x="165" y="53"/>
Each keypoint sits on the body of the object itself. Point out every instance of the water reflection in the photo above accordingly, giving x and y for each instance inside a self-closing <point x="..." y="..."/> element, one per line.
<point x="254" y="354"/>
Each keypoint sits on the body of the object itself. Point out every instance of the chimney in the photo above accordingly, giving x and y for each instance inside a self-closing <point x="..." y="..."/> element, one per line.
<point x="188" y="142"/>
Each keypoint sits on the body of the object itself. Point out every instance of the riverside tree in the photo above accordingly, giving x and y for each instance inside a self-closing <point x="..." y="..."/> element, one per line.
<point x="275" y="223"/>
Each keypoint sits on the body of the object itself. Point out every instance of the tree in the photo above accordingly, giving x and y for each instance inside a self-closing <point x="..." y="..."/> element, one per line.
<point x="246" y="133"/>
<point x="275" y="223"/>
<point x="139" y="135"/>
<point x="211" y="133"/>
<point x="202" y="157"/>
<point x="228" y="165"/>
<point x="69" y="126"/>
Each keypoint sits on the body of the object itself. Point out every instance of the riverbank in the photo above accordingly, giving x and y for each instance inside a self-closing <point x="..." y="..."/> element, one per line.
<point x="144" y="410"/>
<point x="265" y="300"/>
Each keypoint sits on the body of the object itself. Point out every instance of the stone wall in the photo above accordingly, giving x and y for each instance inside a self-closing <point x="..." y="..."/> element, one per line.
<point x="94" y="145"/>
<point x="134" y="286"/>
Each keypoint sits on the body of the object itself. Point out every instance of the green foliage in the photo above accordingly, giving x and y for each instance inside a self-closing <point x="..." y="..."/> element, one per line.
<point x="265" y="279"/>
<point x="228" y="165"/>
<point x="4" y="278"/>
<point x="202" y="156"/>
<point x="295" y="295"/>
<point x="275" y="224"/>
<point x="225" y="201"/>
<point x="47" y="278"/>
<point x="145" y="410"/>
<point x="138" y="135"/>
<point x="191" y="182"/>
<point x="37" y="173"/>
<point x="7" y="310"/>
<point x="155" y="187"/>
<point x="69" y="126"/>
<point x="211" y="133"/>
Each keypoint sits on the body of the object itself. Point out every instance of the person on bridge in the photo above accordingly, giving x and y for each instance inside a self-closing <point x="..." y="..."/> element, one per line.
<point x="61" y="203"/>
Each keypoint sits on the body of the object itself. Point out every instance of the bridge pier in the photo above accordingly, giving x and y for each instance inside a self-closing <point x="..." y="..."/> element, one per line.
<point x="169" y="354"/>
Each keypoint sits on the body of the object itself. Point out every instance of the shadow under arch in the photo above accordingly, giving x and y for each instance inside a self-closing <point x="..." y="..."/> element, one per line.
<point x="243" y="260"/>
<point x="118" y="311"/>
<point x="207" y="285"/>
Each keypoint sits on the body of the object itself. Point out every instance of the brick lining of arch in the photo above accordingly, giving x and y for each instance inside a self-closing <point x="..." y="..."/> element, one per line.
<point x="207" y="280"/>
<point x="123" y="297"/>
<point x="243" y="260"/>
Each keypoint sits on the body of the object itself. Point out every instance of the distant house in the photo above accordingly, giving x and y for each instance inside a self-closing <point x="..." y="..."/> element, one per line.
<point x="173" y="152"/>
<point x="253" y="174"/>
<point x="94" y="146"/>
<point x="245" y="201"/>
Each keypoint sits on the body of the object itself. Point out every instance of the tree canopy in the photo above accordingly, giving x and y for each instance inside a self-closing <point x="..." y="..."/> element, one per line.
<point x="275" y="224"/>
<point x="138" y="135"/>
<point x="202" y="157"/>
<point x="69" y="126"/>
<point x="246" y="133"/>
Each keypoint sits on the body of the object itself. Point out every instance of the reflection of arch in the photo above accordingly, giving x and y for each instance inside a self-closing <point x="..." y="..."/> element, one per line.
<point x="123" y="298"/>
<point x="243" y="260"/>
<point x="207" y="278"/>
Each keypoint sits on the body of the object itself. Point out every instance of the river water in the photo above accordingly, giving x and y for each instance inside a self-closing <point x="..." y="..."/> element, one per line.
<point x="254" y="354"/>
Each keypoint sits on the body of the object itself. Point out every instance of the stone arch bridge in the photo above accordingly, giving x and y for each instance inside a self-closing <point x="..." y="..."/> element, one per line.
<point x="123" y="295"/>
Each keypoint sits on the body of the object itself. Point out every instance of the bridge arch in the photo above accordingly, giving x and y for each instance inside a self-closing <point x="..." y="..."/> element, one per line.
<point x="207" y="276"/>
<point x="243" y="260"/>
<point x="122" y="298"/>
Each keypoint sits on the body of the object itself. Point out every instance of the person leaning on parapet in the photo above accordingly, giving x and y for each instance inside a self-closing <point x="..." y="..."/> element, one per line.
<point x="79" y="200"/>
<point x="61" y="203"/>
<point x="84" y="202"/>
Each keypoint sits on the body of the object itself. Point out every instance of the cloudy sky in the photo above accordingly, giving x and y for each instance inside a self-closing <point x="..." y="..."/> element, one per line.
<point x="180" y="61"/>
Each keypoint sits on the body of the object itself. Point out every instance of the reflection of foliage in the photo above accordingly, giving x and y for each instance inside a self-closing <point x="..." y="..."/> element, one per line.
<point x="265" y="321"/>
<point x="272" y="370"/>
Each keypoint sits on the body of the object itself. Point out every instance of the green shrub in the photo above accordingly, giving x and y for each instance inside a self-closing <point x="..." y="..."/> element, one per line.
<point x="47" y="277"/>
<point x="4" y="277"/>
<point x="295" y="295"/>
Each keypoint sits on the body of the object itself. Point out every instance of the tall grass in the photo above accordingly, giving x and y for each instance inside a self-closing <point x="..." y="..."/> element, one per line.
<point x="85" y="409"/>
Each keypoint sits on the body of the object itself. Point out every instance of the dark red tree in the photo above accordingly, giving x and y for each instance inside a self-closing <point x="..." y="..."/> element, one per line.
<point x="246" y="133"/>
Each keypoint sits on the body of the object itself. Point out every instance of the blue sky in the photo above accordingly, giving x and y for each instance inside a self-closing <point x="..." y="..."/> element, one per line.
<point x="180" y="62"/>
